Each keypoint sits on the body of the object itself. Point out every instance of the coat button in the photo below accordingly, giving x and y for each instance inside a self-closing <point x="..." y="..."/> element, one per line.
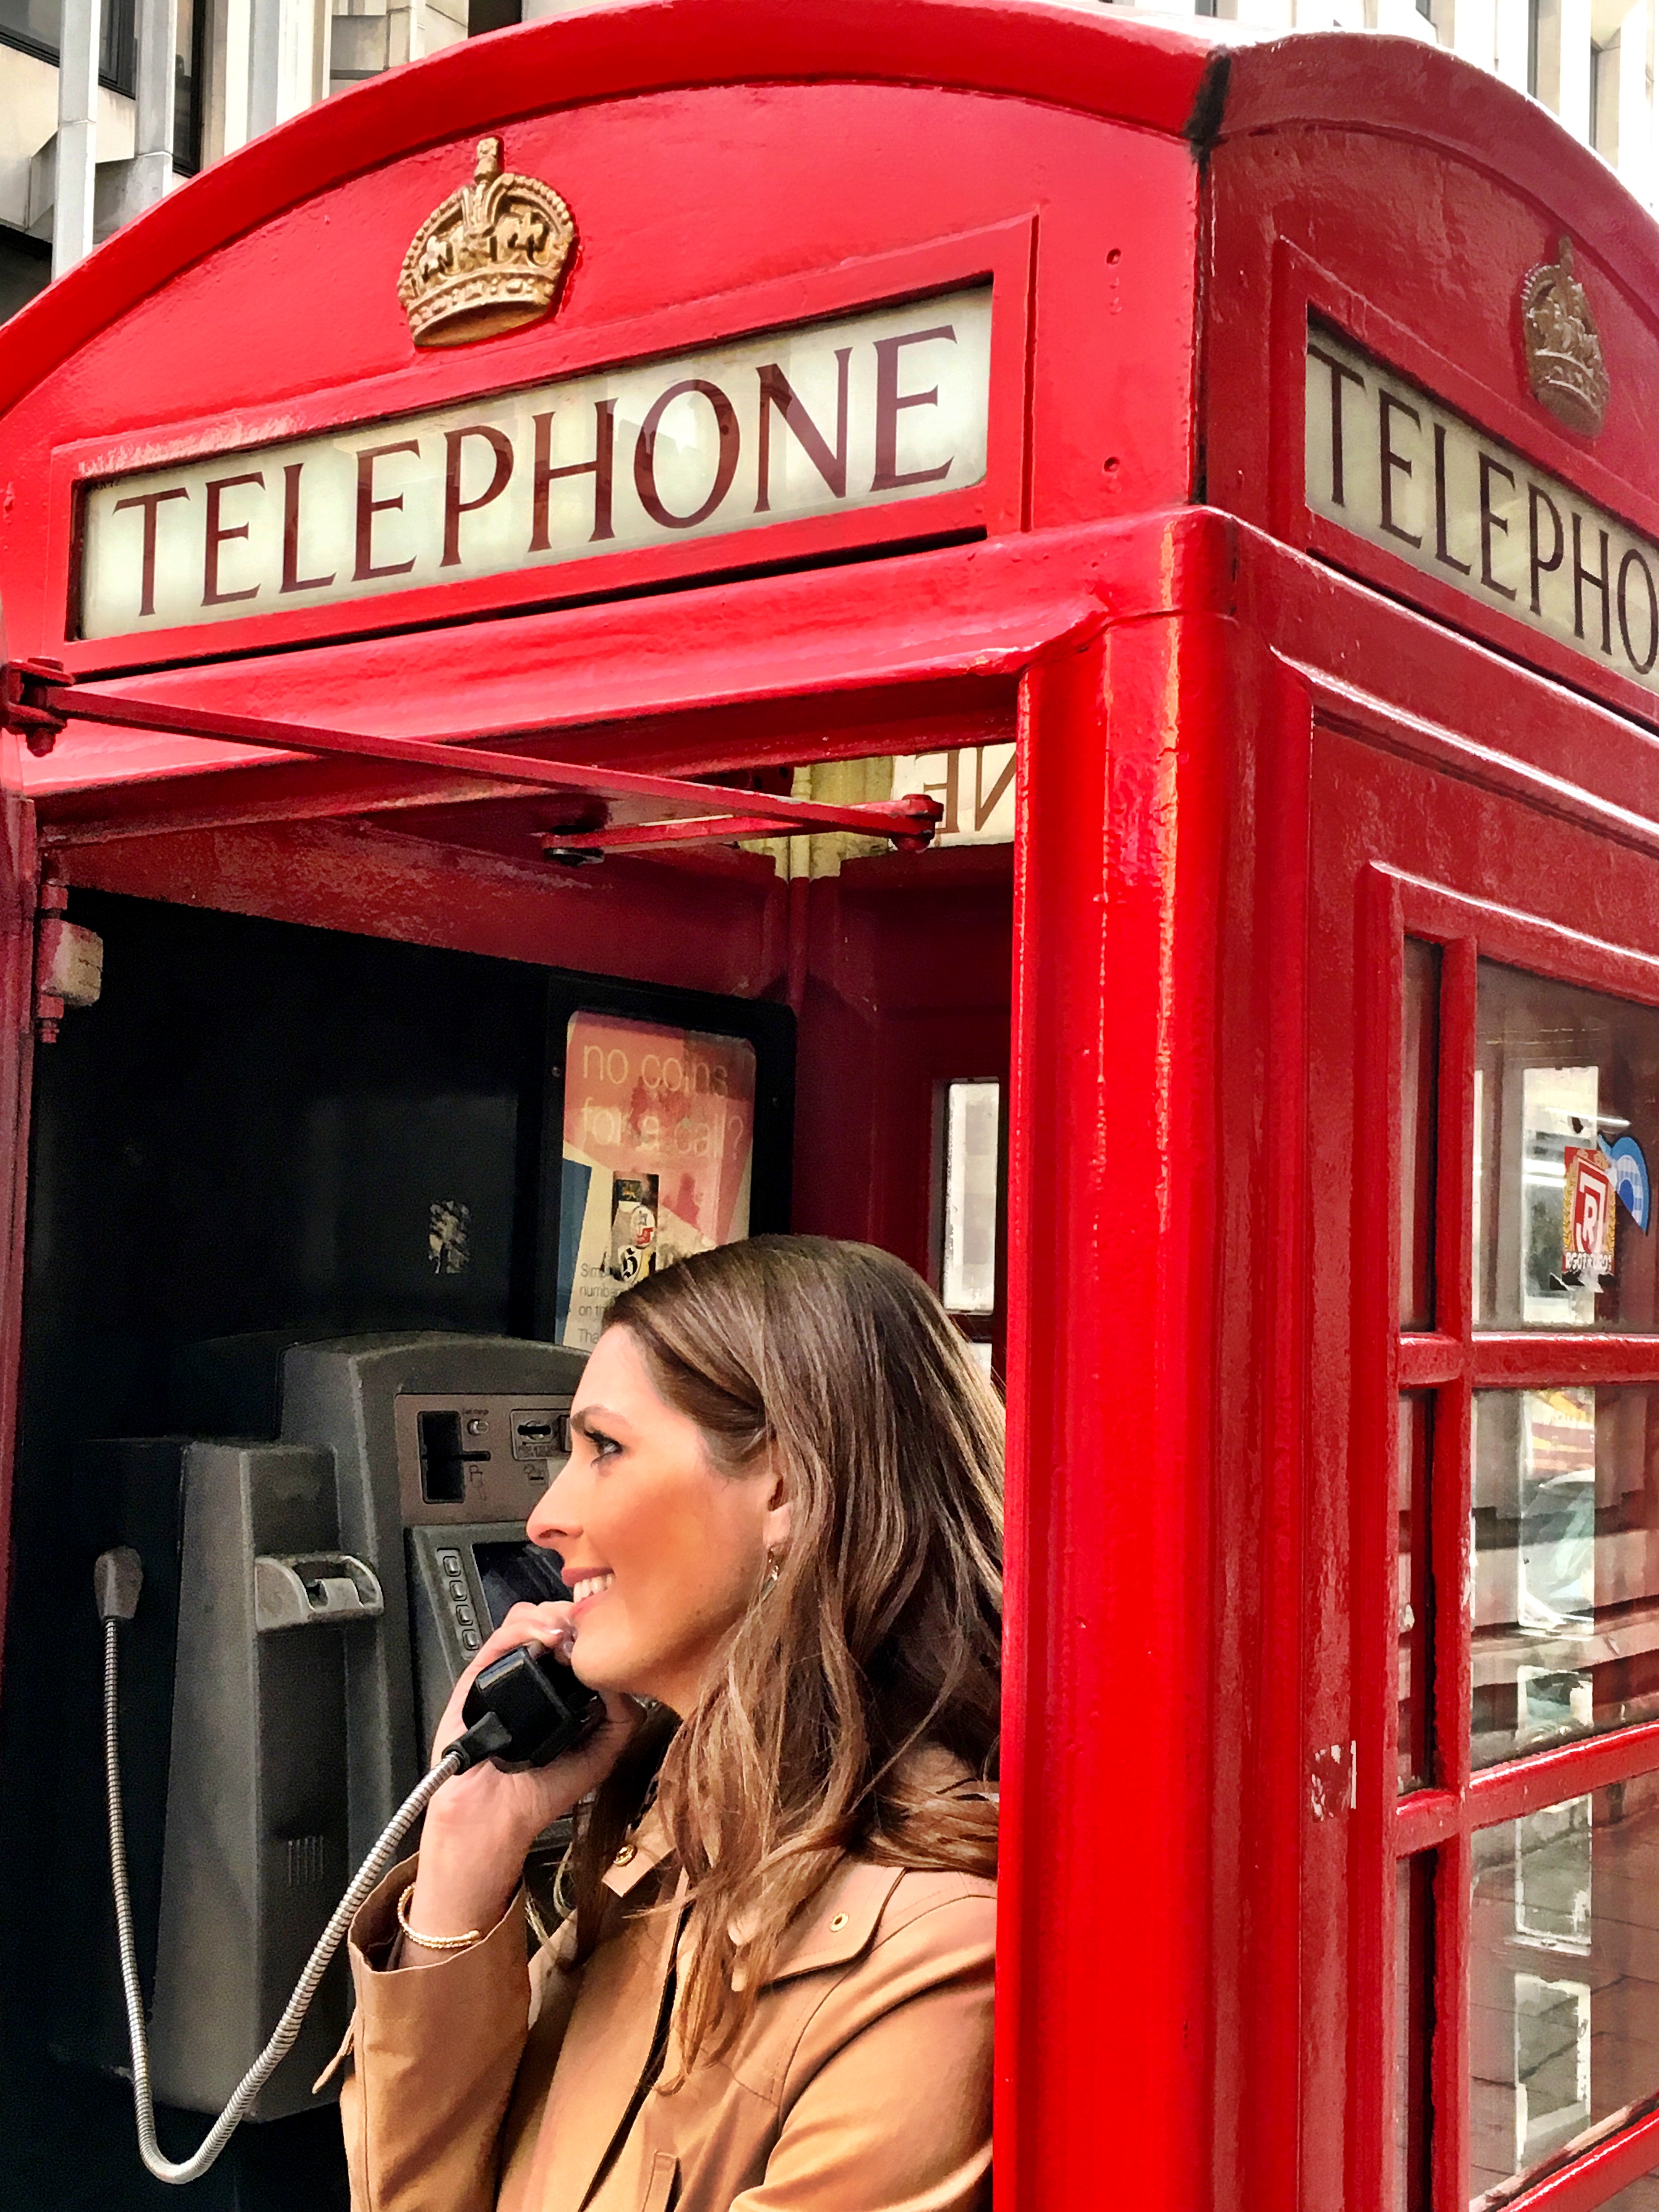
<point x="623" y="1855"/>
<point x="838" y="1924"/>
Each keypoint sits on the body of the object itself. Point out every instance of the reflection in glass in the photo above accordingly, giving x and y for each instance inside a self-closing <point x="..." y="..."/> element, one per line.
<point x="1553" y="1876"/>
<point x="1552" y="2065"/>
<point x="1563" y="1964"/>
<point x="1566" y="1122"/>
<point x="1566" y="1565"/>
<point x="1416" y="1609"/>
<point x="1413" y="1996"/>
<point x="1419" y="1054"/>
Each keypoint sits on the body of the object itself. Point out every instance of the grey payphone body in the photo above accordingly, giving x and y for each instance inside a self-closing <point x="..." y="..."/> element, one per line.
<point x="312" y="1599"/>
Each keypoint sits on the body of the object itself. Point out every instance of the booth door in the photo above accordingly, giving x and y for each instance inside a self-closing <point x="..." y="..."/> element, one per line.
<point x="1481" y="1623"/>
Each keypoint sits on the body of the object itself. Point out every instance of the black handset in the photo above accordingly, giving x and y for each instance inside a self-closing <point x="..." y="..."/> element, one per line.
<point x="544" y="1708"/>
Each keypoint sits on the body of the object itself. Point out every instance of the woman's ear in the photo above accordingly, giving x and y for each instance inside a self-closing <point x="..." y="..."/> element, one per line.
<point x="779" y="1517"/>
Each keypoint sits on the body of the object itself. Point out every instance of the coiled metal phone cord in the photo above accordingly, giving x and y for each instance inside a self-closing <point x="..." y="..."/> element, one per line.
<point x="118" y="1597"/>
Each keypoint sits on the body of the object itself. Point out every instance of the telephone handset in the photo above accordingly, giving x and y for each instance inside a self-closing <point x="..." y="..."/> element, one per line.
<point x="516" y="1715"/>
<point x="546" y="1709"/>
<point x="308" y="1603"/>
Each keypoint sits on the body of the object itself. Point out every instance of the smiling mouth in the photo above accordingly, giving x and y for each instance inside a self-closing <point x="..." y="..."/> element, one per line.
<point x="590" y="1586"/>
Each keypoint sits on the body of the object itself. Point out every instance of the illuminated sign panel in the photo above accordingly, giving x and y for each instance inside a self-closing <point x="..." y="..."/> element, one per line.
<point x="885" y="406"/>
<point x="1385" y="459"/>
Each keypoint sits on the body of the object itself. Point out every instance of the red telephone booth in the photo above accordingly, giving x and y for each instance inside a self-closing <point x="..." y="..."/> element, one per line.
<point x="622" y="437"/>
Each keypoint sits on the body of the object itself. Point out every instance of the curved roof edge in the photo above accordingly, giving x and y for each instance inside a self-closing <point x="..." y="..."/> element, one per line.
<point x="1152" y="75"/>
<point x="1405" y="88"/>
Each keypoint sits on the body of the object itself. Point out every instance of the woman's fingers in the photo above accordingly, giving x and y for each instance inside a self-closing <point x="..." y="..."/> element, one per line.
<point x="548" y="1625"/>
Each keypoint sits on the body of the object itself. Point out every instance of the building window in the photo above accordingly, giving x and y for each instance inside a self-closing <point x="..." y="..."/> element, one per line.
<point x="34" y="25"/>
<point x="1604" y="100"/>
<point x="189" y="83"/>
<point x="25" y="269"/>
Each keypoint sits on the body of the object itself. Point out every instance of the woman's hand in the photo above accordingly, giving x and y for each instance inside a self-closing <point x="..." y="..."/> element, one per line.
<point x="481" y="1823"/>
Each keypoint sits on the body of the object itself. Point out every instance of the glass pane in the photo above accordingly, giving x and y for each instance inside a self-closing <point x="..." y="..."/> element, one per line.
<point x="1566" y="1565"/>
<point x="36" y="21"/>
<point x="1415" y="1596"/>
<point x="1413" y="1994"/>
<point x="1419" y="1062"/>
<point x="969" y="1267"/>
<point x="190" y="44"/>
<point x="1566" y="1113"/>
<point x="117" y="52"/>
<point x="1563" y="1964"/>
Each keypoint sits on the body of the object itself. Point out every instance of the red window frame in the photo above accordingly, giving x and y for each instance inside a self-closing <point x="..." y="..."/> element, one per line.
<point x="1448" y="1364"/>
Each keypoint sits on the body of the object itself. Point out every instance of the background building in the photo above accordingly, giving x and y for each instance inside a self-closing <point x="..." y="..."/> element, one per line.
<point x="105" y="104"/>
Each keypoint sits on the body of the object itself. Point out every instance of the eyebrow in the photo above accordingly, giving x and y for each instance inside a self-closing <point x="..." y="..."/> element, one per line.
<point x="588" y="1415"/>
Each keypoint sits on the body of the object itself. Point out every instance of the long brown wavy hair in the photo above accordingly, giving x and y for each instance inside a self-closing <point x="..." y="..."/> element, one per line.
<point x="879" y="1639"/>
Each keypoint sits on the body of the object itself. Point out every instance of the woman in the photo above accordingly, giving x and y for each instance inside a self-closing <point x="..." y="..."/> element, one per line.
<point x="780" y="1523"/>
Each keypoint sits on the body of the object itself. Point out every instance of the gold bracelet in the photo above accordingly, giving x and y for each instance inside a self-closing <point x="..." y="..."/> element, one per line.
<point x="434" y="1942"/>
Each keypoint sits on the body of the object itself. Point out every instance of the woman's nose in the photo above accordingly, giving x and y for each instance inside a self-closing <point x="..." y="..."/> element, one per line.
<point x="551" y="1523"/>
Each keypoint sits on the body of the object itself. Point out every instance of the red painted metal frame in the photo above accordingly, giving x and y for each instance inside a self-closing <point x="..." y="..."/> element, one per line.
<point x="1003" y="253"/>
<point x="676" y="809"/>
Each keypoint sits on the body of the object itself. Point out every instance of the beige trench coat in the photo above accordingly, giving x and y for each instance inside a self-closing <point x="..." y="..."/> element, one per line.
<point x="861" y="2084"/>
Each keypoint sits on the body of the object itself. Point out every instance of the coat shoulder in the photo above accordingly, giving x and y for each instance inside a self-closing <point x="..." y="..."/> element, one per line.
<point x="928" y="1955"/>
<point x="928" y="1908"/>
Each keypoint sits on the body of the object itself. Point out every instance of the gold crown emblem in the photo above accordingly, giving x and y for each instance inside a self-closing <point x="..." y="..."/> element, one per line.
<point x="488" y="261"/>
<point x="1564" y="352"/>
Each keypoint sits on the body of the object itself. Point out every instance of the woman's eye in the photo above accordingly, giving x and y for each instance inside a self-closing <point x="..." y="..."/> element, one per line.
<point x="604" y="1446"/>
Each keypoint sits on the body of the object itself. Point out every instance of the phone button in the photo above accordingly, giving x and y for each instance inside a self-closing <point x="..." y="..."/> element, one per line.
<point x="449" y="1562"/>
<point x="470" y="1639"/>
<point x="464" y="1615"/>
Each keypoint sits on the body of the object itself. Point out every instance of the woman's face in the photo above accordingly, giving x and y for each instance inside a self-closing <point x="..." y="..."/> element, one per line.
<point x="663" y="1551"/>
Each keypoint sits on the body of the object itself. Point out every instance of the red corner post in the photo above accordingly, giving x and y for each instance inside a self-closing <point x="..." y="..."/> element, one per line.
<point x="1105" y="1997"/>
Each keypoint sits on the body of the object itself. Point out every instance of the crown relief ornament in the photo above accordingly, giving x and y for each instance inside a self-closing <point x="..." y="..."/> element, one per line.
<point x="1563" y="351"/>
<point x="489" y="259"/>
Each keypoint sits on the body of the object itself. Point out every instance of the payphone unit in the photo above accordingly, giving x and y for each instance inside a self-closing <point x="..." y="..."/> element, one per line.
<point x="309" y="1602"/>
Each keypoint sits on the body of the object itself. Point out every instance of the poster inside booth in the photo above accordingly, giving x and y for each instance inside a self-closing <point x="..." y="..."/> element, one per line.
<point x="658" y="1154"/>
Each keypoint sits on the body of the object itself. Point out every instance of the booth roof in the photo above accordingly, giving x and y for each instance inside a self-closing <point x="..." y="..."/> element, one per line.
<point x="1158" y="74"/>
<point x="1152" y="74"/>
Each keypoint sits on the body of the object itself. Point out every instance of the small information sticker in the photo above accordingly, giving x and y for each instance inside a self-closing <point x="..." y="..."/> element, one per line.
<point x="1586" y="1217"/>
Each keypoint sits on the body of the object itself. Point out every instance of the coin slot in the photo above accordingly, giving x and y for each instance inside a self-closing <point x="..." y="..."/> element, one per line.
<point x="444" y="1458"/>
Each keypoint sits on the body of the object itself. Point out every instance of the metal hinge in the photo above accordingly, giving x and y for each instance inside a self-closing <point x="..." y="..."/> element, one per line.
<point x="68" y="960"/>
